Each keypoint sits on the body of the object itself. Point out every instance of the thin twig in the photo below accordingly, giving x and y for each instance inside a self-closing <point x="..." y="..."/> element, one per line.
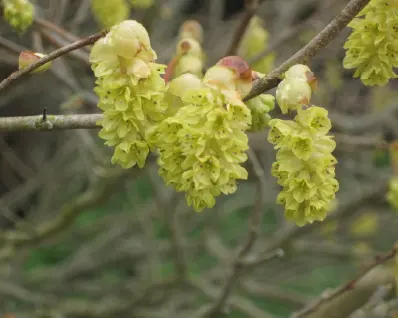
<point x="52" y="56"/>
<point x="251" y="6"/>
<point x="312" y="307"/>
<point x="322" y="39"/>
<point x="36" y="123"/>
<point x="68" y="213"/>
<point x="56" y="28"/>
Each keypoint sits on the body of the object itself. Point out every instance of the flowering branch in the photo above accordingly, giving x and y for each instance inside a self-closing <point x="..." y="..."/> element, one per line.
<point x="260" y="86"/>
<point x="52" y="56"/>
<point x="310" y="49"/>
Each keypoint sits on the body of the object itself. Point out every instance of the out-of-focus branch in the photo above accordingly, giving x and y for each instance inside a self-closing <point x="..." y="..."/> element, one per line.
<point x="327" y="297"/>
<point x="254" y="227"/>
<point x="52" y="56"/>
<point x="310" y="49"/>
<point x="237" y="302"/>
<point x="51" y="122"/>
<point x="251" y="7"/>
<point x="67" y="215"/>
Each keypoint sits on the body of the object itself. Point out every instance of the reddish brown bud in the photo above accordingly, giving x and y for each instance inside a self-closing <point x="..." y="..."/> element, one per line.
<point x="26" y="58"/>
<point x="239" y="65"/>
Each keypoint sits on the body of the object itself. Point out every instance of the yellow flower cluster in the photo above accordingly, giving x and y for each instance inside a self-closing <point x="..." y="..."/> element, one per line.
<point x="304" y="163"/>
<point x="130" y="91"/>
<point x="254" y="42"/>
<point x="202" y="142"/>
<point x="19" y="14"/>
<point x="372" y="47"/>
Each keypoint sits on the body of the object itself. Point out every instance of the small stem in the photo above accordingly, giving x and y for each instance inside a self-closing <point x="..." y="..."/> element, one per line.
<point x="313" y="306"/>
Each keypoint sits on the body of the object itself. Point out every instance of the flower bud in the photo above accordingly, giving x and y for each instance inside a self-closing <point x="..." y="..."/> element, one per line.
<point x="292" y="93"/>
<point x="191" y="29"/>
<point x="189" y="46"/>
<point x="302" y="72"/>
<point x="26" y="58"/>
<point x="130" y="38"/>
<point x="231" y="73"/>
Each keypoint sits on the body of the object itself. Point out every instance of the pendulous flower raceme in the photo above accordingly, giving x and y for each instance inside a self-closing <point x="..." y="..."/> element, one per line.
<point x="202" y="145"/>
<point x="254" y="42"/>
<point x="130" y="91"/>
<point x="372" y="47"/>
<point x="189" y="57"/>
<point x="110" y="12"/>
<point x="19" y="14"/>
<point x="304" y="164"/>
<point x="392" y="194"/>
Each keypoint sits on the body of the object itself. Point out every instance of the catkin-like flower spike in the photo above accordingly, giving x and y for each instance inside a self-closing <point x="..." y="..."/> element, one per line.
<point x="202" y="146"/>
<point x="296" y="88"/>
<point x="19" y="14"/>
<point x="304" y="165"/>
<point x="130" y="91"/>
<point x="372" y="47"/>
<point x="254" y="42"/>
<point x="142" y="4"/>
<point x="26" y="58"/>
<point x="110" y="12"/>
<point x="260" y="107"/>
<point x="190" y="58"/>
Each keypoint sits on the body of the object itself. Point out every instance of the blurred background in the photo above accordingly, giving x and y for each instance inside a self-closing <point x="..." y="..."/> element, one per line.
<point x="81" y="238"/>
